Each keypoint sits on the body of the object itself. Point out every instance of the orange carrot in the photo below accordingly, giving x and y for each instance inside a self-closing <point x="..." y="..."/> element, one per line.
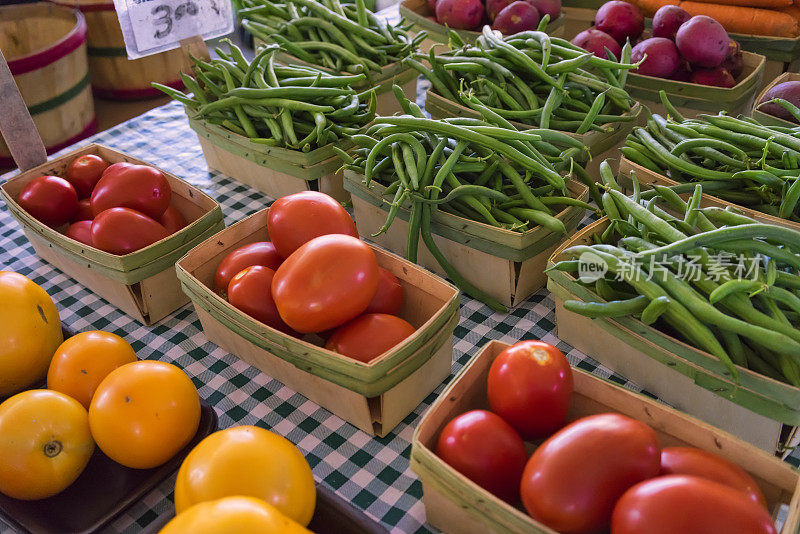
<point x="763" y="4"/>
<point x="792" y="10"/>
<point x="747" y="20"/>
<point x="649" y="7"/>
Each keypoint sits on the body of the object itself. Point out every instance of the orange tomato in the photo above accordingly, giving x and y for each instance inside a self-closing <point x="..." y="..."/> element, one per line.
<point x="45" y="443"/>
<point x="143" y="413"/>
<point x="252" y="461"/>
<point x="233" y="515"/>
<point x="84" y="360"/>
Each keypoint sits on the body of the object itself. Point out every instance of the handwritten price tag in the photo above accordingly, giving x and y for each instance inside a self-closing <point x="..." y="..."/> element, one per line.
<point x="152" y="26"/>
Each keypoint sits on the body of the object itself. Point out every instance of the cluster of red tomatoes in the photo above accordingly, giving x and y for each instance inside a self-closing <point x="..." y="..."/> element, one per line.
<point x="597" y="471"/>
<point x="316" y="276"/>
<point x="117" y="208"/>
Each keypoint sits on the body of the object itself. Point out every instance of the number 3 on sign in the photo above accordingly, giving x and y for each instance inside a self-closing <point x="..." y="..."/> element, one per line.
<point x="158" y="25"/>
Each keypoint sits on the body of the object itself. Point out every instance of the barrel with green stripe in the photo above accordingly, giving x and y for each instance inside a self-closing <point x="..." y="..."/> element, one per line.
<point x="45" y="47"/>
<point x="114" y="76"/>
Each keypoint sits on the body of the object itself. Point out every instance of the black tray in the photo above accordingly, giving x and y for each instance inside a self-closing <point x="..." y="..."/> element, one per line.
<point x="103" y="491"/>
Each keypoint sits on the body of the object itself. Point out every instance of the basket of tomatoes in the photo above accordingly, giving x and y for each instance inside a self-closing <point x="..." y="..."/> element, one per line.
<point x="590" y="456"/>
<point x="115" y="224"/>
<point x="293" y="291"/>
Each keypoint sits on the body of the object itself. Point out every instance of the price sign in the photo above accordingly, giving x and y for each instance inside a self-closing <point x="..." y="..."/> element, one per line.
<point x="152" y="26"/>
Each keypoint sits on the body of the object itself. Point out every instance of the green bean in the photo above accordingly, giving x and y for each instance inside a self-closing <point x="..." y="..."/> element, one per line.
<point x="616" y="308"/>
<point x="655" y="309"/>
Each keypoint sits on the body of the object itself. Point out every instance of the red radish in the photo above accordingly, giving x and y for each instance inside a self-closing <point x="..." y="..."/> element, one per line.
<point x="716" y="77"/>
<point x="547" y="7"/>
<point x="432" y="5"/>
<point x="683" y="73"/>
<point x="667" y="20"/>
<point x="703" y="41"/>
<point x="516" y="17"/>
<point x="789" y="91"/>
<point x="493" y="7"/>
<point x="734" y="61"/>
<point x="596" y="42"/>
<point x="660" y="57"/>
<point x="459" y="14"/>
<point x="620" y="20"/>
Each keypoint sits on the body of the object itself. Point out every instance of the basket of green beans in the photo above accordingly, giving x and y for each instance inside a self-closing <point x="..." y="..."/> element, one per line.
<point x="340" y="38"/>
<point x="736" y="159"/>
<point x="272" y="126"/>
<point x="704" y="291"/>
<point x="488" y="202"/>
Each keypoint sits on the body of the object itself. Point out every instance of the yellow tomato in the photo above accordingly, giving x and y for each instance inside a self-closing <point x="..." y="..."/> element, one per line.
<point x="143" y="413"/>
<point x="247" y="460"/>
<point x="30" y="332"/>
<point x="45" y="443"/>
<point x="233" y="515"/>
<point x="84" y="360"/>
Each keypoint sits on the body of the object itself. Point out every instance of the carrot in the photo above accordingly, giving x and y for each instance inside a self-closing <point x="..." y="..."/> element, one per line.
<point x="747" y="20"/>
<point x="649" y="7"/>
<point x="793" y="10"/>
<point x="764" y="4"/>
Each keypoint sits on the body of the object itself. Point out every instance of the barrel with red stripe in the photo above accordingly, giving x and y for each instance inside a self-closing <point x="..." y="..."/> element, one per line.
<point x="45" y="47"/>
<point x="114" y="76"/>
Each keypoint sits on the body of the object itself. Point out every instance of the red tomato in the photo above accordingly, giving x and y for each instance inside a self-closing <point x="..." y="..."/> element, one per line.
<point x="688" y="505"/>
<point x="123" y="230"/>
<point x="699" y="463"/>
<point x="84" y="172"/>
<point x="84" y="212"/>
<point x="574" y="478"/>
<point x="325" y="283"/>
<point x="530" y="386"/>
<point x="138" y="187"/>
<point x="296" y="219"/>
<point x="260" y="253"/>
<point x="250" y="291"/>
<point x="80" y="231"/>
<point x="369" y="335"/>
<point x="172" y="219"/>
<point x="49" y="199"/>
<point x="486" y="450"/>
<point x="389" y="296"/>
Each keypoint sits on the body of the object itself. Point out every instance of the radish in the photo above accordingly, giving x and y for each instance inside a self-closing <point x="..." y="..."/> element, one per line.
<point x="789" y="91"/>
<point x="660" y="55"/>
<point x="734" y="61"/>
<point x="716" y="77"/>
<point x="596" y="42"/>
<point x="493" y="7"/>
<point x="547" y="7"/>
<point x="516" y="17"/>
<point x="667" y="20"/>
<point x="459" y="14"/>
<point x="703" y="41"/>
<point x="620" y="20"/>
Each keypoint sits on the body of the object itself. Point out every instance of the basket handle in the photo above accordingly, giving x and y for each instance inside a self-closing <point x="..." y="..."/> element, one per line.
<point x="16" y="124"/>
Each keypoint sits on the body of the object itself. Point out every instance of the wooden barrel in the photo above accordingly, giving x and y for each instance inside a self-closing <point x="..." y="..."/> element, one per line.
<point x="45" y="47"/>
<point x="114" y="76"/>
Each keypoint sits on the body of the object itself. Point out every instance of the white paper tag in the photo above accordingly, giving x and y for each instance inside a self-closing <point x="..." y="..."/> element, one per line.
<point x="152" y="26"/>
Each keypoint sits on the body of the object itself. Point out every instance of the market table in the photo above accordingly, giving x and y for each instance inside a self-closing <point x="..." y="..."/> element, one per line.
<point x="371" y="473"/>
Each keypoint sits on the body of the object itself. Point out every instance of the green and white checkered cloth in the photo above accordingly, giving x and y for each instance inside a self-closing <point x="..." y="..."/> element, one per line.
<point x="371" y="473"/>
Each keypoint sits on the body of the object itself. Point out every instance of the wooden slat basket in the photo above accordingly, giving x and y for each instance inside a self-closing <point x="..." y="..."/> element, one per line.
<point x="45" y="46"/>
<point x="374" y="397"/>
<point x="771" y="120"/>
<point x="648" y="178"/>
<point x="114" y="76"/>
<point x="507" y="265"/>
<point x="274" y="171"/>
<point x="418" y="12"/>
<point x="759" y="410"/>
<point x="142" y="284"/>
<point x="600" y="144"/>
<point x="456" y="505"/>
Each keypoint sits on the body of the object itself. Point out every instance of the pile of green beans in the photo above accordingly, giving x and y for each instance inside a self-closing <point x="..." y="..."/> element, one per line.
<point x="736" y="159"/>
<point x="342" y="38"/>
<point x="483" y="170"/>
<point x="533" y="79"/>
<point x="677" y="266"/>
<point x="296" y="107"/>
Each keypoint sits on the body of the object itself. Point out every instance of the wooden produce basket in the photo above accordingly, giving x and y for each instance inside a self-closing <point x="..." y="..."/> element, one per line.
<point x="418" y="12"/>
<point x="646" y="177"/>
<point x="142" y="284"/>
<point x="275" y="171"/>
<point x="600" y="144"/>
<point x="375" y="397"/>
<point x="507" y="265"/>
<point x="692" y="99"/>
<point x="45" y="46"/>
<point x="759" y="410"/>
<point x="765" y="118"/>
<point x="114" y="76"/>
<point x="456" y="505"/>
